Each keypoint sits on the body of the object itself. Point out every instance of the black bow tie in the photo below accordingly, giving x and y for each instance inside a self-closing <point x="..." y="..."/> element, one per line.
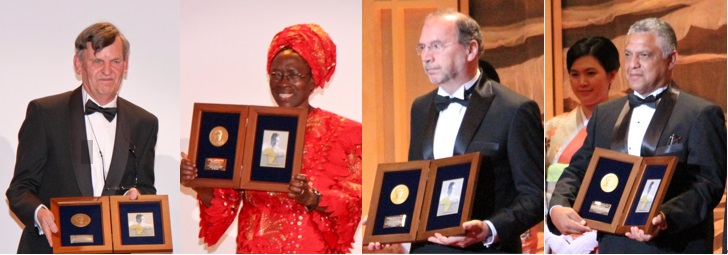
<point x="650" y="101"/>
<point x="92" y="107"/>
<point x="442" y="102"/>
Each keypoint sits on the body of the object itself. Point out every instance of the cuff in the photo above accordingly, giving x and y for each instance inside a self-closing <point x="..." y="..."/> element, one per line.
<point x="552" y="208"/>
<point x="492" y="234"/>
<point x="35" y="219"/>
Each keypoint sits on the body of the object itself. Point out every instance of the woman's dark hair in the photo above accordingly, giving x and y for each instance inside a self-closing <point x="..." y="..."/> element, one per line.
<point x="599" y="47"/>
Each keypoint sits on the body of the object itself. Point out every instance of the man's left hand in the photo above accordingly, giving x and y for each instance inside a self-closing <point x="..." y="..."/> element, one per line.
<point x="133" y="193"/>
<point x="639" y="235"/>
<point x="475" y="231"/>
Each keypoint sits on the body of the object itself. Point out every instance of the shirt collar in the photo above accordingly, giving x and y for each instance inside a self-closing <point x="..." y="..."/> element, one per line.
<point x="460" y="93"/>
<point x="85" y="97"/>
<point x="654" y="93"/>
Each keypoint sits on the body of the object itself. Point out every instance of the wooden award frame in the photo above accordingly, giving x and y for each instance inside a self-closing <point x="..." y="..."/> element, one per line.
<point x="474" y="160"/>
<point x="428" y="185"/>
<point x="103" y="203"/>
<point x="195" y="143"/>
<point x="160" y="202"/>
<point x="625" y="209"/>
<point x="411" y="234"/>
<point x="253" y="159"/>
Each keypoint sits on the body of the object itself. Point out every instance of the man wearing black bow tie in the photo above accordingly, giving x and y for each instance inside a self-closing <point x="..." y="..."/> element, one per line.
<point x="656" y="119"/>
<point x="469" y="112"/>
<point x="85" y="142"/>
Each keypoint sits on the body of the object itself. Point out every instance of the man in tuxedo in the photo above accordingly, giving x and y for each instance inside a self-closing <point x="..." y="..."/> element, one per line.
<point x="85" y="142"/>
<point x="657" y="119"/>
<point x="470" y="112"/>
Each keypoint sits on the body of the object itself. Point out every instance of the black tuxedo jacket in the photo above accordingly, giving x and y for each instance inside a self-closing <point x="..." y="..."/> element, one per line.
<point x="697" y="183"/>
<point x="506" y="129"/>
<point x="53" y="158"/>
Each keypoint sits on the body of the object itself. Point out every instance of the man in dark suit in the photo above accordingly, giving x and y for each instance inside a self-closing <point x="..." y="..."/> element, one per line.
<point x="470" y="112"/>
<point x="657" y="119"/>
<point x="85" y="142"/>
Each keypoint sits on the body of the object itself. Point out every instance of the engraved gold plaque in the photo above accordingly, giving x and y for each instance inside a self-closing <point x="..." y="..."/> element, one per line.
<point x="215" y="164"/>
<point x="399" y="194"/>
<point x="80" y="220"/>
<point x="396" y="221"/>
<point x="218" y="136"/>
<point x="609" y="182"/>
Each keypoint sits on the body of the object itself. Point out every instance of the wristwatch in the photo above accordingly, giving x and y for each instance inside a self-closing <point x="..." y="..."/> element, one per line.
<point x="315" y="205"/>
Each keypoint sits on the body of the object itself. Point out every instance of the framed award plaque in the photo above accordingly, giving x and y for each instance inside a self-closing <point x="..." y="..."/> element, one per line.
<point x="449" y="195"/>
<point x="216" y="144"/>
<point x="648" y="192"/>
<point x="142" y="225"/>
<point x="83" y="225"/>
<point x="414" y="200"/>
<point x="395" y="210"/>
<point x="274" y="149"/>
<point x="621" y="190"/>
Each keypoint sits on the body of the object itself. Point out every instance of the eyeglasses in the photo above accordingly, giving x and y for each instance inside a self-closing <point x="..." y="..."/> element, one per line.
<point x="293" y="78"/>
<point x="435" y="47"/>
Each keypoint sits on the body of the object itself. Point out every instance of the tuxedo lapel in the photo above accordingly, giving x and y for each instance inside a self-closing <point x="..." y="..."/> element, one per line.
<point x="121" y="151"/>
<point x="659" y="120"/>
<point x="430" y="125"/>
<point x="621" y="128"/>
<point x="79" y="144"/>
<point x="478" y="106"/>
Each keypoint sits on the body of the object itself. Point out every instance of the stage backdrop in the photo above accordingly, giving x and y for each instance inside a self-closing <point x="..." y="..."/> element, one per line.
<point x="37" y="49"/>
<point x="224" y="46"/>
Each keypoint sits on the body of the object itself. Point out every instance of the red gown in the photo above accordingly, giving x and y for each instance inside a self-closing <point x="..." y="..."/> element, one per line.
<point x="271" y="222"/>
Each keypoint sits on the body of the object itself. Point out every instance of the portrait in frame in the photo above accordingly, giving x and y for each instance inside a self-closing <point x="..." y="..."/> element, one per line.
<point x="142" y="225"/>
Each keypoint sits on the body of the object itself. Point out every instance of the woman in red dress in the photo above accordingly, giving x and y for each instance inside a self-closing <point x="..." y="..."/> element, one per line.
<point x="322" y="208"/>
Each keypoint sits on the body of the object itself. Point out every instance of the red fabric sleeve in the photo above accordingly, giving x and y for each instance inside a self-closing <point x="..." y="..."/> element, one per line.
<point x="216" y="219"/>
<point x="339" y="182"/>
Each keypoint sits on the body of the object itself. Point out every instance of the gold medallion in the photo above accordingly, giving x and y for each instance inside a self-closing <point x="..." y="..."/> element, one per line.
<point x="80" y="220"/>
<point x="399" y="194"/>
<point x="609" y="182"/>
<point x="218" y="136"/>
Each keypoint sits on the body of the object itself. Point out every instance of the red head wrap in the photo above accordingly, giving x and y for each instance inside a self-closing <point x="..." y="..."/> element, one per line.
<point x="313" y="44"/>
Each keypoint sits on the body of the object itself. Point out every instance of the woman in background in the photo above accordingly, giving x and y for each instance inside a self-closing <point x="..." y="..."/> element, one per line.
<point x="593" y="64"/>
<point x="322" y="208"/>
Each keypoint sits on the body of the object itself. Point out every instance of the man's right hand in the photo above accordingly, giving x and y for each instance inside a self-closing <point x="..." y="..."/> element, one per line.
<point x="187" y="170"/>
<point x="568" y="221"/>
<point x="47" y="223"/>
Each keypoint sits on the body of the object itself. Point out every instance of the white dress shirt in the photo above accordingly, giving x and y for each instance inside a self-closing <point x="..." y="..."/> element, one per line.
<point x="448" y="123"/>
<point x="641" y="116"/>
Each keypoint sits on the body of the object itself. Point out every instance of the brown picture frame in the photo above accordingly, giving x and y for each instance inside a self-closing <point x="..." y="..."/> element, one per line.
<point x="196" y="140"/>
<point x="670" y="162"/>
<point x="103" y="203"/>
<point x="119" y="224"/>
<point x="410" y="235"/>
<point x="474" y="160"/>
<point x="616" y="225"/>
<point x="253" y="160"/>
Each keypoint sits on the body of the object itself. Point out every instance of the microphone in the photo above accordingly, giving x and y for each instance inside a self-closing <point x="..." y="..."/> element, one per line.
<point x="132" y="149"/>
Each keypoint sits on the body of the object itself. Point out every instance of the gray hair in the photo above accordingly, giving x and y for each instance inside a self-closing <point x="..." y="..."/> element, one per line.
<point x="467" y="28"/>
<point x="666" y="39"/>
<point x="100" y="35"/>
